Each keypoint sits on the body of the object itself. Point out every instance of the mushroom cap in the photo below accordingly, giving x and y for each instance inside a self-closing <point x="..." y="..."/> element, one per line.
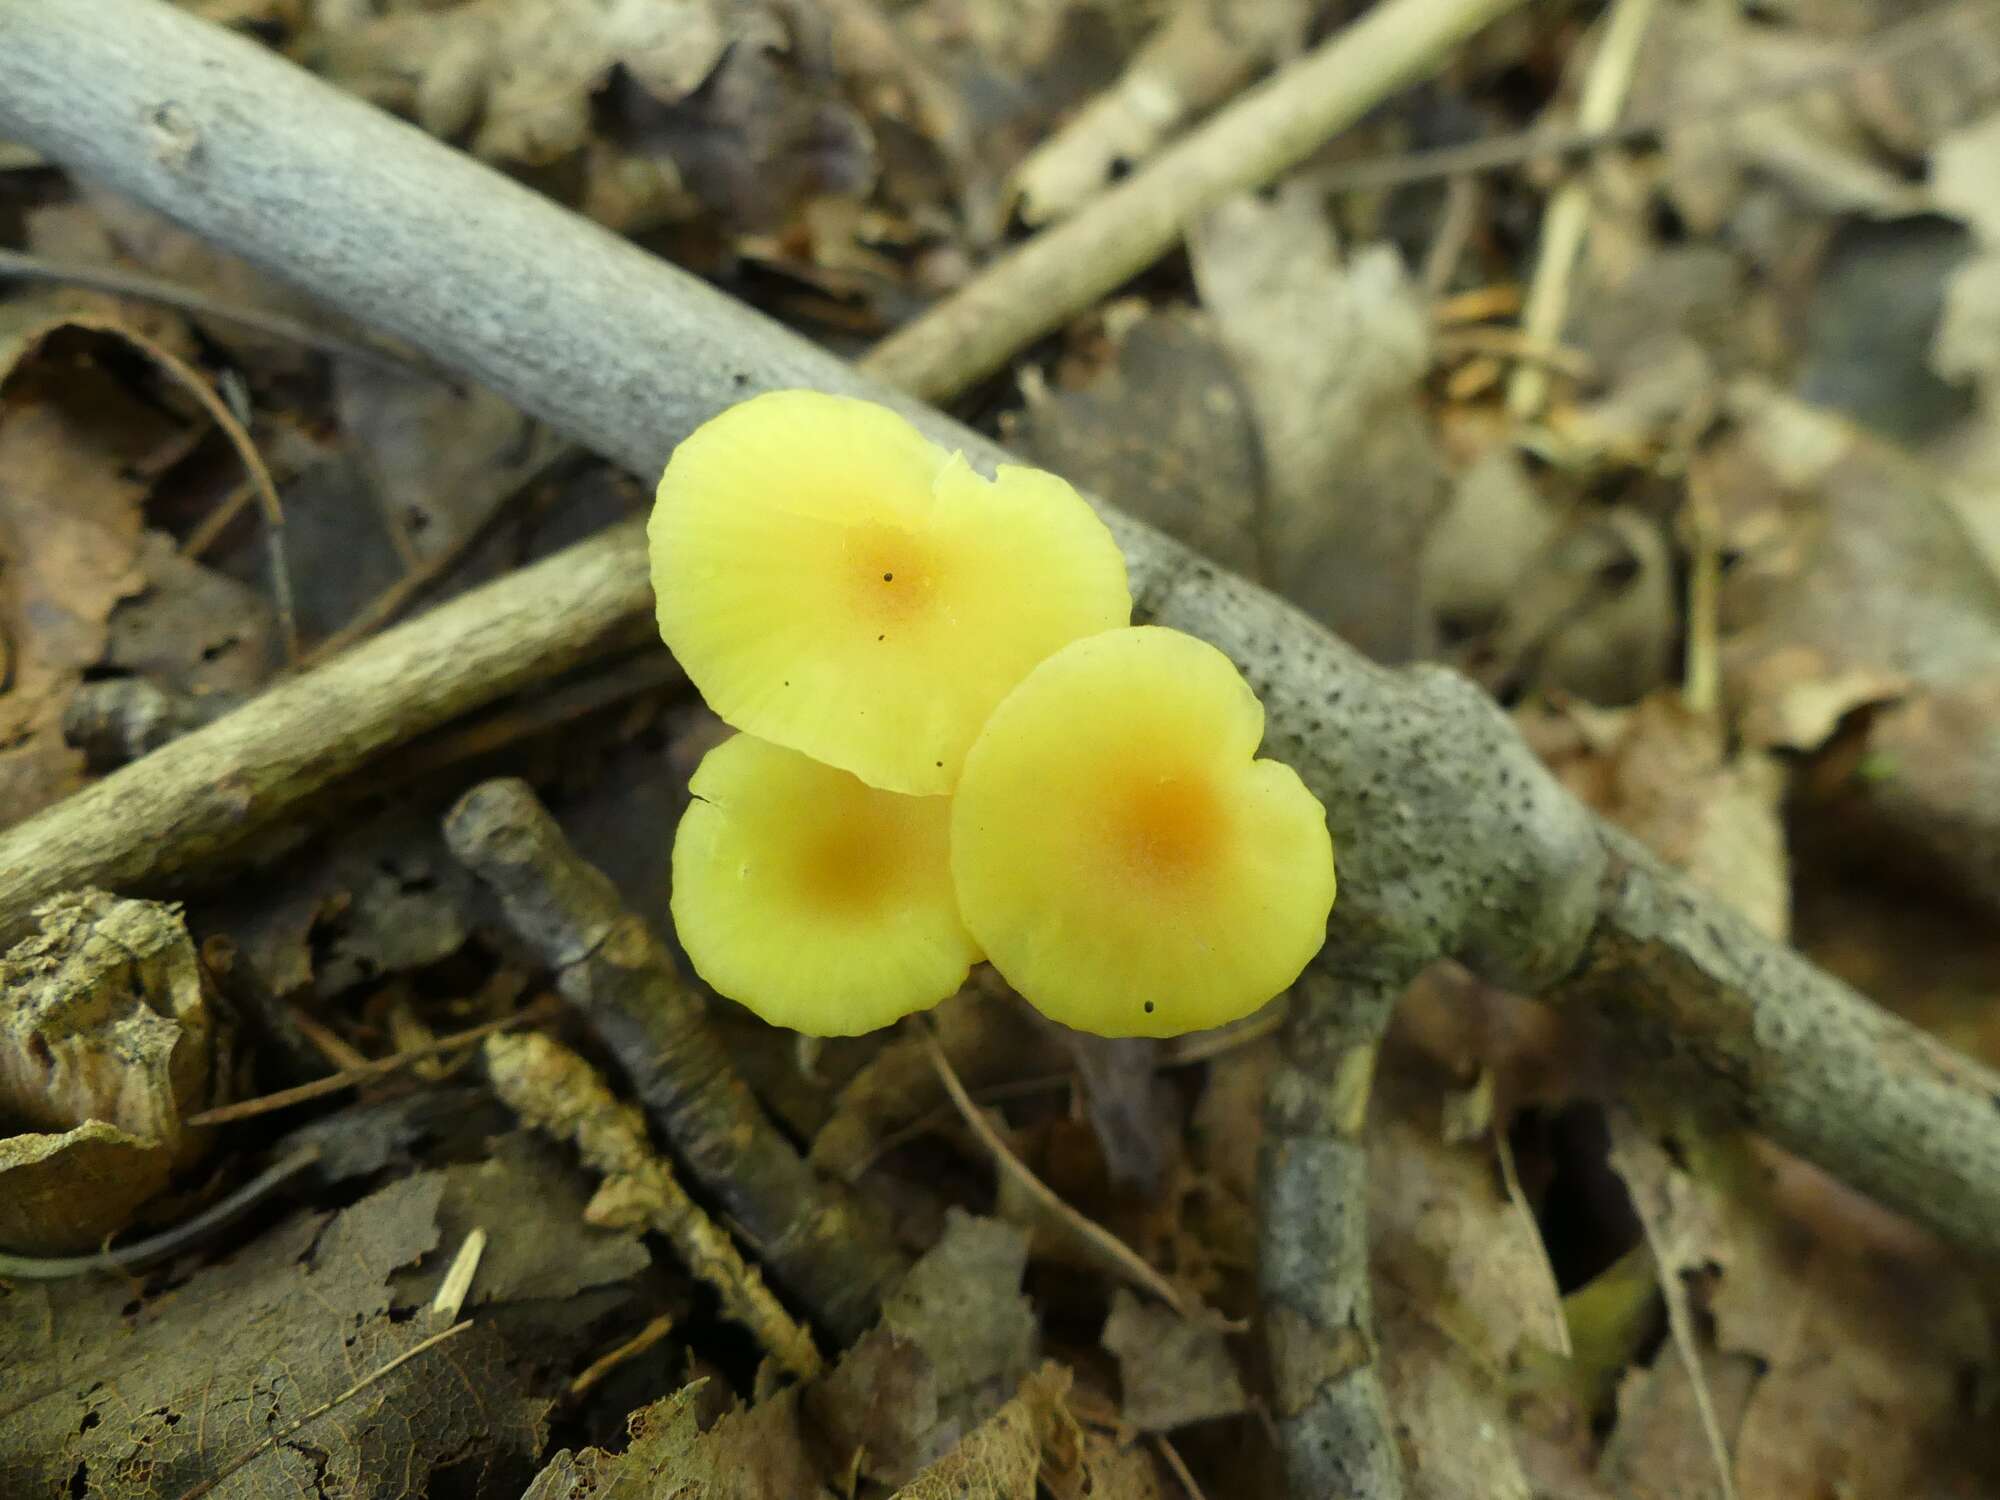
<point x="1125" y="862"/>
<point x="820" y="903"/>
<point x="834" y="582"/>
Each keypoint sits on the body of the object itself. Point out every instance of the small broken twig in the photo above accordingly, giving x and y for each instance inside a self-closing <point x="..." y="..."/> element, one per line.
<point x="558" y="1093"/>
<point x="1566" y="221"/>
<point x="347" y="1078"/>
<point x="811" y="1232"/>
<point x="183" y="1236"/>
<point x="220" y="785"/>
<point x="1120" y="1256"/>
<point x="1204" y="51"/>
<point x="1276" y="125"/>
<point x="611" y="1359"/>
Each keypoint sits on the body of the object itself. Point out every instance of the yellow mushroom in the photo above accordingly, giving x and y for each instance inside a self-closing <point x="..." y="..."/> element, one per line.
<point x="834" y="582"/>
<point x="1125" y="862"/>
<point x="820" y="903"/>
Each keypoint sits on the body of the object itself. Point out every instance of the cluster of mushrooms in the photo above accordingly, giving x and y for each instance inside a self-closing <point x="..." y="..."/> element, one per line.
<point x="953" y="746"/>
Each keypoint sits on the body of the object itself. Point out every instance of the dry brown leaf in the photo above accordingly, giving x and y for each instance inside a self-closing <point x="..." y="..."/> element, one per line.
<point x="539" y="1245"/>
<point x="266" y="1374"/>
<point x="1815" y="144"/>
<point x="106" y="1043"/>
<point x="990" y="1037"/>
<point x="878" y="1407"/>
<point x="1842" y="1344"/>
<point x="1593" y="614"/>
<point x="1664" y="774"/>
<point x="1130" y="1108"/>
<point x="1967" y="347"/>
<point x="665" y="106"/>
<point x="372" y="900"/>
<point x="438" y="459"/>
<point x="1165" y="425"/>
<point x="1906" y="950"/>
<point x="1963" y="167"/>
<point x="76" y="457"/>
<point x="1332" y="350"/>
<point x="1173" y="1370"/>
<point x="1101" y="1469"/>
<point x="1869" y="563"/>
<point x="1487" y="540"/>
<point x="1656" y="1449"/>
<point x="1452" y="1412"/>
<point x="754" y="1453"/>
<point x="190" y="630"/>
<point x="962" y="1305"/>
<point x="1445" y="1236"/>
<point x="98" y="228"/>
<point x="520" y="73"/>
<point x="1001" y="1458"/>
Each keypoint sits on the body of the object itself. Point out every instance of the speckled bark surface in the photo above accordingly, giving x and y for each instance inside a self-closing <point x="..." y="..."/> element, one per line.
<point x="1714" y="1007"/>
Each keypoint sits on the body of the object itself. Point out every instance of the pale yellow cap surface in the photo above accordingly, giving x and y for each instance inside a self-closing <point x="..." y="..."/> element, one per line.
<point x="820" y="903"/>
<point x="1125" y="862"/>
<point x="834" y="582"/>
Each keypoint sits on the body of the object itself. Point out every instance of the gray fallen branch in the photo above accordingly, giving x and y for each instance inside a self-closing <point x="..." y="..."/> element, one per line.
<point x="808" y="1229"/>
<point x="1453" y="839"/>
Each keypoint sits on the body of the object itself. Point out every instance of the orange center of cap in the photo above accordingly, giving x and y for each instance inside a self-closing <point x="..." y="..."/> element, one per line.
<point x="893" y="575"/>
<point x="1168" y="828"/>
<point x="846" y="869"/>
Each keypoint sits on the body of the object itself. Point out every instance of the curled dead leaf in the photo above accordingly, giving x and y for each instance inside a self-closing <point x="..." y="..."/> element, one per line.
<point x="105" y="1044"/>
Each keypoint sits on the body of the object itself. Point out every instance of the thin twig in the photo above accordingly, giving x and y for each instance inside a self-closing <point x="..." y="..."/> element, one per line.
<point x="1652" y="1207"/>
<point x="1566" y="220"/>
<point x="1174" y="1461"/>
<point x="1194" y="59"/>
<point x="1464" y="198"/>
<point x="611" y="1359"/>
<point x="332" y="1046"/>
<point x="209" y="529"/>
<point x="1175" y="1052"/>
<point x="168" y="1242"/>
<point x="1268" y="130"/>
<point x="1127" y="1261"/>
<point x="1701" y="676"/>
<point x="419" y="580"/>
<point x="333" y="1083"/>
<point x="1200" y="1046"/>
<point x="457" y="1283"/>
<point x="19" y="266"/>
<point x="210" y="400"/>
<point x="378" y="1373"/>
<point x="1517" y="345"/>
<point x="587" y="694"/>
<point x="266" y="491"/>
